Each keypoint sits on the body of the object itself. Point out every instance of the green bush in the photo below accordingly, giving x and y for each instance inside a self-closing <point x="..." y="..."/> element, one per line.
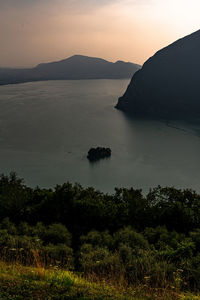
<point x="9" y="226"/>
<point x="58" y="255"/>
<point x="99" y="260"/>
<point x="56" y="234"/>
<point x="130" y="237"/>
<point x="98" y="239"/>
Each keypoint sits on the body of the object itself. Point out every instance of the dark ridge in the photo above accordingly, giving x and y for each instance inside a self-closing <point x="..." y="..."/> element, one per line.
<point x="74" y="67"/>
<point x="168" y="85"/>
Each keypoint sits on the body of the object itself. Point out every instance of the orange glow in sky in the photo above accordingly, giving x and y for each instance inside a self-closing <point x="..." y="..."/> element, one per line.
<point x="37" y="31"/>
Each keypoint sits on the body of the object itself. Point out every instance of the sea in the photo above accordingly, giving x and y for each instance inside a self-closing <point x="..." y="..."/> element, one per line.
<point x="47" y="128"/>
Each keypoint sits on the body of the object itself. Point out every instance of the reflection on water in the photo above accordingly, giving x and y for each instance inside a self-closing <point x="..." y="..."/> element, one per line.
<point x="47" y="128"/>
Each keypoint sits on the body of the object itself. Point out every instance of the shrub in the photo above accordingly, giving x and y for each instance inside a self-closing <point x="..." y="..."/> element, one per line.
<point x="58" y="255"/>
<point x="57" y="234"/>
<point x="98" y="239"/>
<point x="100" y="261"/>
<point x="8" y="225"/>
<point x="130" y="238"/>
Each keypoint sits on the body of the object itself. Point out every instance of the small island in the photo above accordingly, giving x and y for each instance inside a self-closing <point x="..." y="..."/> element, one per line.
<point x="95" y="154"/>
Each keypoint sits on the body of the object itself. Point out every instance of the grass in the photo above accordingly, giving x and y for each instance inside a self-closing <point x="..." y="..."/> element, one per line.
<point x="33" y="283"/>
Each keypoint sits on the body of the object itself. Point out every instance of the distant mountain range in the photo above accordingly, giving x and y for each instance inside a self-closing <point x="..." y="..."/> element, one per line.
<point x="75" y="67"/>
<point x="168" y="84"/>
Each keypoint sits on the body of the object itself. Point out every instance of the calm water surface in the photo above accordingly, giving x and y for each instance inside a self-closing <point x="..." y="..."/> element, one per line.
<point x="47" y="128"/>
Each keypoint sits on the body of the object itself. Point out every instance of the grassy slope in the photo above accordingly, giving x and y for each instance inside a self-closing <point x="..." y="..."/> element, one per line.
<point x="17" y="282"/>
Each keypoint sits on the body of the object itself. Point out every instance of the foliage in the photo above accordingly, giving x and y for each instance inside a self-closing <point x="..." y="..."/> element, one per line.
<point x="152" y="240"/>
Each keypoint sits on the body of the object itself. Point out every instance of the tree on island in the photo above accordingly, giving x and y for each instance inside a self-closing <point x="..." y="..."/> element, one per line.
<point x="98" y="153"/>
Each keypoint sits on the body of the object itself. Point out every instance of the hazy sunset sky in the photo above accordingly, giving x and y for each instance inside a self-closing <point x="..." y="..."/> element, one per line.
<point x="34" y="31"/>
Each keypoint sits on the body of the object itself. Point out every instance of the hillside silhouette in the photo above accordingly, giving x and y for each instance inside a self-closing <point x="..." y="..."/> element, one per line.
<point x="74" y="67"/>
<point x="168" y="84"/>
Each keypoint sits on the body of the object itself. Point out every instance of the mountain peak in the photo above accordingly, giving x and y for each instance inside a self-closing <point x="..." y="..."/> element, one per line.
<point x="74" y="67"/>
<point x="82" y="58"/>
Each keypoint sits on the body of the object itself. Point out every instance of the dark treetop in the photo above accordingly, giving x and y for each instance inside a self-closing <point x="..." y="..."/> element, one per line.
<point x="168" y="85"/>
<point x="95" y="154"/>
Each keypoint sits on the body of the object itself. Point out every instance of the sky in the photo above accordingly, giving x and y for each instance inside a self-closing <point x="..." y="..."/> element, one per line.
<point x="35" y="31"/>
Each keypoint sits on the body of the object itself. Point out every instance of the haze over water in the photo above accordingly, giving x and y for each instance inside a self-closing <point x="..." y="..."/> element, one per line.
<point x="47" y="128"/>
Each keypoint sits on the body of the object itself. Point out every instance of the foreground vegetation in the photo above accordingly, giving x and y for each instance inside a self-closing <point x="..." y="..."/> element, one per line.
<point x="125" y="245"/>
<point x="18" y="282"/>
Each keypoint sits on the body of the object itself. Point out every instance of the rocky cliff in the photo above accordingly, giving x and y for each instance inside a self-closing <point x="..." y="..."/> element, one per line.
<point x="168" y="85"/>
